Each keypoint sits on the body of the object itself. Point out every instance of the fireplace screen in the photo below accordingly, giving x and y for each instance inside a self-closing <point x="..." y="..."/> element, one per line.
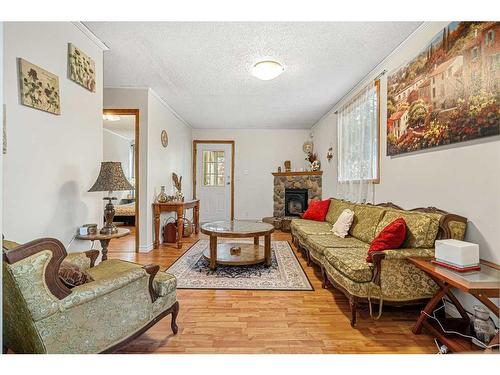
<point x="295" y="201"/>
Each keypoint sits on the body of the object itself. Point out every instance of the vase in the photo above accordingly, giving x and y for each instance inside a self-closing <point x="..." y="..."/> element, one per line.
<point x="162" y="196"/>
<point x="484" y="328"/>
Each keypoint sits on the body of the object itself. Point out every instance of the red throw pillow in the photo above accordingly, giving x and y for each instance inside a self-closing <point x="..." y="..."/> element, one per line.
<point x="391" y="237"/>
<point x="317" y="210"/>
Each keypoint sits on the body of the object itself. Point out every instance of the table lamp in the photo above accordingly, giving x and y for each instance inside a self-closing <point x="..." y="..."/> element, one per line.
<point x="111" y="178"/>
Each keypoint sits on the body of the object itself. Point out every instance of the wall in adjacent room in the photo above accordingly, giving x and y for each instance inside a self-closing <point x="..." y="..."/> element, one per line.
<point x="258" y="153"/>
<point x="51" y="160"/>
<point x="117" y="148"/>
<point x="463" y="178"/>
<point x="156" y="162"/>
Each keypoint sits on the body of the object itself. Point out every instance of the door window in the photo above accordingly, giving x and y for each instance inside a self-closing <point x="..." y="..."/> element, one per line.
<point x="213" y="168"/>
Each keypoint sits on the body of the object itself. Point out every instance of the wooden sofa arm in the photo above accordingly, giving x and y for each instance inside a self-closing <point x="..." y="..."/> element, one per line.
<point x="54" y="284"/>
<point x="85" y="259"/>
<point x="152" y="270"/>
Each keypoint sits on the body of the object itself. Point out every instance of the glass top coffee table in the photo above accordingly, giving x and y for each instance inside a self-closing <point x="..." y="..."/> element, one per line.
<point x="238" y="253"/>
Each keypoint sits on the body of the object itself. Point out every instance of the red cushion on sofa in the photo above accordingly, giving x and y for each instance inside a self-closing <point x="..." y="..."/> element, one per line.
<point x="391" y="237"/>
<point x="317" y="210"/>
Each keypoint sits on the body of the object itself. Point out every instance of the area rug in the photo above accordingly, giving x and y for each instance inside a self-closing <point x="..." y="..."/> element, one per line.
<point x="285" y="272"/>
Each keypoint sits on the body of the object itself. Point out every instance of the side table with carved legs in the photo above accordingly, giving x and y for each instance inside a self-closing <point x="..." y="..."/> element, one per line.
<point x="104" y="239"/>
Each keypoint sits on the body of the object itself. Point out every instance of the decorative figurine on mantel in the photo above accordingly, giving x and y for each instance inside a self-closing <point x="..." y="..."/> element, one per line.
<point x="178" y="186"/>
<point x="315" y="163"/>
<point x="311" y="157"/>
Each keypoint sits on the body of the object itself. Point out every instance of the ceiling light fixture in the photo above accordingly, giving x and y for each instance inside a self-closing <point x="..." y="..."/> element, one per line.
<point x="267" y="70"/>
<point x="111" y="118"/>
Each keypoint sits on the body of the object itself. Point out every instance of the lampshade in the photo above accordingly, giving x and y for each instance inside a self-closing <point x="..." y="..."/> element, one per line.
<point x="111" y="178"/>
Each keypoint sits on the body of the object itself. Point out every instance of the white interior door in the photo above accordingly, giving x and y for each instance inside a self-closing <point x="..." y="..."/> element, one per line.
<point x="213" y="180"/>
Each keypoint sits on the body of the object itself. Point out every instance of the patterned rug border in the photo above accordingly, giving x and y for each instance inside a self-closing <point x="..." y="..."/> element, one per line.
<point x="239" y="289"/>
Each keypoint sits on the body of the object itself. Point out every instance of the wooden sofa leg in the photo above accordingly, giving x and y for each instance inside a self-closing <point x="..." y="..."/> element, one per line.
<point x="353" y="304"/>
<point x="324" y="282"/>
<point x="175" y="312"/>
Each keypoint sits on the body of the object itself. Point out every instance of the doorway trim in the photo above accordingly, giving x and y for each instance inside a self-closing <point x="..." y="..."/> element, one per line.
<point x="133" y="112"/>
<point x="195" y="144"/>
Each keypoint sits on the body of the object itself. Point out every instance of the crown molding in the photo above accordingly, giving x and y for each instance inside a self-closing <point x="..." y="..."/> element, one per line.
<point x="89" y="34"/>
<point x="160" y="99"/>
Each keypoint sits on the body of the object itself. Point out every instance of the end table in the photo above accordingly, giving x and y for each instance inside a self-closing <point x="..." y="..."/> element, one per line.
<point x="104" y="239"/>
<point x="482" y="285"/>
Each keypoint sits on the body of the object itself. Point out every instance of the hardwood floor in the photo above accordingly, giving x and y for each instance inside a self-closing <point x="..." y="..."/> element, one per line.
<point x="225" y="321"/>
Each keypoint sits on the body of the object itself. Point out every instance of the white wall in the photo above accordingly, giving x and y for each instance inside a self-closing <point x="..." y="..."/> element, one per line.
<point x="52" y="160"/>
<point x="119" y="98"/>
<point x="325" y="136"/>
<point x="1" y="153"/>
<point x="156" y="162"/>
<point x="258" y="153"/>
<point x="176" y="157"/>
<point x="463" y="178"/>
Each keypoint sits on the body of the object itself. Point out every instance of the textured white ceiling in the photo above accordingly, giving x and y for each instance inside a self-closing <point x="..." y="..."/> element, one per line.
<point x="202" y="70"/>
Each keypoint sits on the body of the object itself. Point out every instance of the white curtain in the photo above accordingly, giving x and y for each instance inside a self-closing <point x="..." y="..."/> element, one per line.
<point x="357" y="144"/>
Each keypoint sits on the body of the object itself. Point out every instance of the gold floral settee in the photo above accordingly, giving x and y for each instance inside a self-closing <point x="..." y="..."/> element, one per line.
<point x="42" y="315"/>
<point x="390" y="278"/>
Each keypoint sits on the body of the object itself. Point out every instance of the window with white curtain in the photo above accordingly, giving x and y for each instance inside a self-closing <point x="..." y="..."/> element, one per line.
<point x="358" y="145"/>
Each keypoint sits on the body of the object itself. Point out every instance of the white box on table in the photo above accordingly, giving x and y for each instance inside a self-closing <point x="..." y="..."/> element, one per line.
<point x="457" y="253"/>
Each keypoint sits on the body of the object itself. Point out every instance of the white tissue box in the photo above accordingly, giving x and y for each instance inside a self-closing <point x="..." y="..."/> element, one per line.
<point x="457" y="253"/>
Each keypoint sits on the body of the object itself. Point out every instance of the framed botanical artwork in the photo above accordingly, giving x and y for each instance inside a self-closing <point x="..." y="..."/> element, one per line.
<point x="81" y="68"/>
<point x="448" y="93"/>
<point x="39" y="88"/>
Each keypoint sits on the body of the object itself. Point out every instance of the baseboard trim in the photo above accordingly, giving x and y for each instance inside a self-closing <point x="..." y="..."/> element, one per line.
<point x="146" y="249"/>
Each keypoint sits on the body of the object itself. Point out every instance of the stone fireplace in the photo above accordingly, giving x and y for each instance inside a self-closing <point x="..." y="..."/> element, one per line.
<point x="296" y="184"/>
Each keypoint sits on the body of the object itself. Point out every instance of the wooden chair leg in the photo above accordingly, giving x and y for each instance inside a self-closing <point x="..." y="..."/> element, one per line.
<point x="354" y="306"/>
<point x="175" y="312"/>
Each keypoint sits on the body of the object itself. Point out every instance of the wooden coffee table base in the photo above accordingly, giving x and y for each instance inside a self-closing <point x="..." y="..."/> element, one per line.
<point x="229" y="254"/>
<point x="237" y="253"/>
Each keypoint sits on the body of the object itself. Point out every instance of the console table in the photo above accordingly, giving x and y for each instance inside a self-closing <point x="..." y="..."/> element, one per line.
<point x="178" y="208"/>
<point x="483" y="285"/>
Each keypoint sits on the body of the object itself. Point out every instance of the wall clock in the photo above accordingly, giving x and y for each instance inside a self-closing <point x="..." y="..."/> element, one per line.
<point x="164" y="138"/>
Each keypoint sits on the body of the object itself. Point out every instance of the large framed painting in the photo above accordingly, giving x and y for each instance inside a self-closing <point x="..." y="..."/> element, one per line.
<point x="81" y="68"/>
<point x="39" y="88"/>
<point x="449" y="92"/>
